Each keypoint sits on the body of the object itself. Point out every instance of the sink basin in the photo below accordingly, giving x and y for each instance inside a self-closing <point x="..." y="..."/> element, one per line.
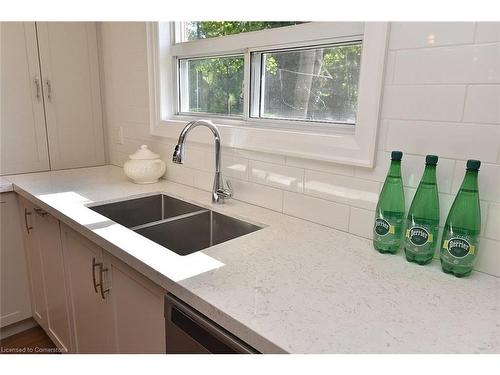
<point x="192" y="233"/>
<point x="179" y="226"/>
<point x="139" y="211"/>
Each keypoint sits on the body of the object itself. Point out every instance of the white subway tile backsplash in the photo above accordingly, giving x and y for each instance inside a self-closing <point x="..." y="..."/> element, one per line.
<point x="361" y="222"/>
<point x="489" y="180"/>
<point x="493" y="223"/>
<point x="488" y="257"/>
<point x="487" y="32"/>
<point x="430" y="34"/>
<point x="449" y="140"/>
<point x="343" y="189"/>
<point x="257" y="194"/>
<point x="117" y="158"/>
<point x="483" y="103"/>
<point x="234" y="166"/>
<point x="322" y="166"/>
<point x="331" y="214"/>
<point x="268" y="158"/>
<point x="180" y="174"/>
<point x="203" y="180"/>
<point x="197" y="158"/>
<point x="424" y="102"/>
<point x="279" y="176"/>
<point x="457" y="64"/>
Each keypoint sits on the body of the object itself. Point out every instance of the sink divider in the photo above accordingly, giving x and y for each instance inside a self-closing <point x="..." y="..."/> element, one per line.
<point x="173" y="218"/>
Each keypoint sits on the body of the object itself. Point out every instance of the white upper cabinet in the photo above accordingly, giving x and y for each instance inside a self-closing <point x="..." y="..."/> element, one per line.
<point x="50" y="97"/>
<point x="23" y="137"/>
<point x="69" y="65"/>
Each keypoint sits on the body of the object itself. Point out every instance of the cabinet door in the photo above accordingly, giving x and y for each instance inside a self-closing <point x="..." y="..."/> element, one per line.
<point x="34" y="261"/>
<point x="23" y="145"/>
<point x="14" y="288"/>
<point x="69" y="65"/>
<point x="138" y="307"/>
<point x="92" y="315"/>
<point x="49" y="240"/>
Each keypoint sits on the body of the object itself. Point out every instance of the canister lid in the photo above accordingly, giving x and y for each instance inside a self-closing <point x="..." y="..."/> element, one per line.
<point x="144" y="153"/>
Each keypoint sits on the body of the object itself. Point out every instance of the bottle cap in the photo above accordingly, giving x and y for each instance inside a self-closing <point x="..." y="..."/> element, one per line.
<point x="431" y="160"/>
<point x="473" y="165"/>
<point x="396" y="155"/>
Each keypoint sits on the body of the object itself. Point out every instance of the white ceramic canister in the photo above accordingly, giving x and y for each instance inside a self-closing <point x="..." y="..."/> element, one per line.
<point x="144" y="166"/>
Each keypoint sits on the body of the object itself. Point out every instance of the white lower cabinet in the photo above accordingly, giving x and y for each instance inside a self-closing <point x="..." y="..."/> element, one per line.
<point x="47" y="278"/>
<point x="49" y="240"/>
<point x="115" y="309"/>
<point x="92" y="314"/>
<point x="34" y="262"/>
<point x="138" y="306"/>
<point x="14" y="286"/>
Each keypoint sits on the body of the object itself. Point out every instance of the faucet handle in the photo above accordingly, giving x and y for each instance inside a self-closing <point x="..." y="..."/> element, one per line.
<point x="229" y="186"/>
<point x="225" y="193"/>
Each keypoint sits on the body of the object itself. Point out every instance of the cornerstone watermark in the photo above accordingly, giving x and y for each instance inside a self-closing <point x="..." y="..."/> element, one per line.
<point x="25" y="350"/>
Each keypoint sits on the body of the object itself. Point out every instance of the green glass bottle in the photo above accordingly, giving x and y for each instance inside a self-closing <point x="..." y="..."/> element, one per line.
<point x="387" y="230"/>
<point x="422" y="223"/>
<point x="463" y="226"/>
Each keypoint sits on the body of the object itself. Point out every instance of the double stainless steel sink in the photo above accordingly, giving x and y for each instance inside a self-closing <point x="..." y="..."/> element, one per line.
<point x="179" y="226"/>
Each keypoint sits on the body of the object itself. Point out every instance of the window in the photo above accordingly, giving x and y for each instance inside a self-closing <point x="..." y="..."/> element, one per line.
<point x="318" y="84"/>
<point x="211" y="85"/>
<point x="309" y="83"/>
<point x="305" y="89"/>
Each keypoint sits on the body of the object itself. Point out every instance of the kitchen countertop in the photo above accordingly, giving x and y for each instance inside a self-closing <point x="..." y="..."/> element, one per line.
<point x="294" y="286"/>
<point x="5" y="185"/>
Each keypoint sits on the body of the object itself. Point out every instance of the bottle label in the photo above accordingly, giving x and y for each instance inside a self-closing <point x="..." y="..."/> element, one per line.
<point x="459" y="250"/>
<point x="459" y="247"/>
<point x="419" y="236"/>
<point x="383" y="227"/>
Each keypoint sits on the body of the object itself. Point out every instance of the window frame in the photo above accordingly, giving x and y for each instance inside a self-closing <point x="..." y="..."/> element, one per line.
<point x="345" y="144"/>
<point x="255" y="90"/>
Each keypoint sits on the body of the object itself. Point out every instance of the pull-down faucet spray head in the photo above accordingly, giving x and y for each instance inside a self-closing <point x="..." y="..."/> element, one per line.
<point x="178" y="156"/>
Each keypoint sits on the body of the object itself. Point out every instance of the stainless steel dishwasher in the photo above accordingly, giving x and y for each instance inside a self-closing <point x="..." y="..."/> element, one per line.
<point x="190" y="332"/>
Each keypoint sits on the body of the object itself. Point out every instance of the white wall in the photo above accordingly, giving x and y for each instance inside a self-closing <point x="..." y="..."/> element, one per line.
<point x="441" y="96"/>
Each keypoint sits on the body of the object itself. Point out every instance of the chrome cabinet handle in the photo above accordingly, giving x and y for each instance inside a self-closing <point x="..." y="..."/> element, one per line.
<point x="94" y="265"/>
<point x="40" y="212"/>
<point x="38" y="89"/>
<point x="101" y="282"/>
<point x="27" y="226"/>
<point x="49" y="90"/>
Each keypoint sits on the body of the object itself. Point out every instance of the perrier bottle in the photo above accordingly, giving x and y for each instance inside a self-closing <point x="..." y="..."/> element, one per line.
<point x="422" y="223"/>
<point x="463" y="226"/>
<point x="387" y="231"/>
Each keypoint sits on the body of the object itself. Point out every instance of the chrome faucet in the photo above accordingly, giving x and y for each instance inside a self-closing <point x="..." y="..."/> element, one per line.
<point x="219" y="191"/>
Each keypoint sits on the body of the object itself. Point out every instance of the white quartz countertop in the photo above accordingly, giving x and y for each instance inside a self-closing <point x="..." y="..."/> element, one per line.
<point x="294" y="286"/>
<point x="5" y="185"/>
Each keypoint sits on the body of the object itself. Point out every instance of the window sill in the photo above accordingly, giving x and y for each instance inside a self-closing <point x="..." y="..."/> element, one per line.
<point x="332" y="146"/>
